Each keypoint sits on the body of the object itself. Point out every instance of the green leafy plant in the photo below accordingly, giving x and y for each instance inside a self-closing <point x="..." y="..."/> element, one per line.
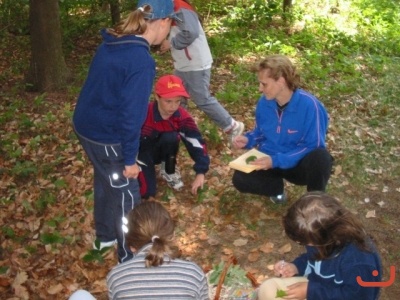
<point x="235" y="275"/>
<point x="202" y="194"/>
<point x="51" y="238"/>
<point x="210" y="133"/>
<point x="4" y="269"/>
<point x="47" y="197"/>
<point x="8" y="232"/>
<point x="96" y="254"/>
<point x="24" y="168"/>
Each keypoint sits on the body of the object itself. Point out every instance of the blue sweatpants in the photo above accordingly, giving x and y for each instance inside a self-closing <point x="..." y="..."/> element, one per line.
<point x="114" y="194"/>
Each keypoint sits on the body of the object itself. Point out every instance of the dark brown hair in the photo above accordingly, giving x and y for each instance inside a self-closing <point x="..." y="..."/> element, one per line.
<point x="150" y="222"/>
<point x="317" y="219"/>
<point x="279" y="66"/>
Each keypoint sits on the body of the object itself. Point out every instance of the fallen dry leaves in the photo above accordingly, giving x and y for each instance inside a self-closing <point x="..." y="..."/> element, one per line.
<point x="55" y="197"/>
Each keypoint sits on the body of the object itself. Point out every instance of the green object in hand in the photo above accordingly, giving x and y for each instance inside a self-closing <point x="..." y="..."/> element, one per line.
<point x="250" y="159"/>
<point x="280" y="294"/>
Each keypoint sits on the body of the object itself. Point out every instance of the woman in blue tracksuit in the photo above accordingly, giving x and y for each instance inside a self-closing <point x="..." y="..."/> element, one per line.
<point x="110" y="111"/>
<point x="291" y="125"/>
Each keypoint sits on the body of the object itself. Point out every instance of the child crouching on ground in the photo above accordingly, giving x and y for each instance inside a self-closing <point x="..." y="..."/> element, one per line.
<point x="337" y="251"/>
<point x="168" y="123"/>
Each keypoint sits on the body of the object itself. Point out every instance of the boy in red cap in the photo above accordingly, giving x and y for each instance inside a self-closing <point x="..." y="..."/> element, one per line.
<point x="167" y="123"/>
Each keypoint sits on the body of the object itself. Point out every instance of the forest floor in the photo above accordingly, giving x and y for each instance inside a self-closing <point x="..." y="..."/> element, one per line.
<point x="46" y="200"/>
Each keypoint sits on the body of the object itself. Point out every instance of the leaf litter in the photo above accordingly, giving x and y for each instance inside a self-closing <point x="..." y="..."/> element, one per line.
<point x="46" y="190"/>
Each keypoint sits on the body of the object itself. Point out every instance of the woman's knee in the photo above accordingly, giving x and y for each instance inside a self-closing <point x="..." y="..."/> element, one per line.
<point x="239" y="182"/>
<point x="320" y="158"/>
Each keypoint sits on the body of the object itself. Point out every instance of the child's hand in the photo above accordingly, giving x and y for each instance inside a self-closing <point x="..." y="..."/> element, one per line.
<point x="285" y="269"/>
<point x="198" y="183"/>
<point x="297" y="291"/>
<point x="165" y="46"/>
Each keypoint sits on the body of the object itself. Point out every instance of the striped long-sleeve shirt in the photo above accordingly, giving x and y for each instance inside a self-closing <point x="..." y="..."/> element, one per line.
<point x="174" y="279"/>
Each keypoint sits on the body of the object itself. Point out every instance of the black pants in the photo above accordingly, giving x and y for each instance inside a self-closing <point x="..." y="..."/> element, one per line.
<point x="313" y="171"/>
<point x="152" y="152"/>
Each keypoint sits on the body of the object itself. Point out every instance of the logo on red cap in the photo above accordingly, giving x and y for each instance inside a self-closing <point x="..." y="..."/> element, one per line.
<point x="170" y="86"/>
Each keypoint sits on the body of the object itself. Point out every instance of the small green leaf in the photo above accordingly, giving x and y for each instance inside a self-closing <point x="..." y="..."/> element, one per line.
<point x="280" y="294"/>
<point x="250" y="159"/>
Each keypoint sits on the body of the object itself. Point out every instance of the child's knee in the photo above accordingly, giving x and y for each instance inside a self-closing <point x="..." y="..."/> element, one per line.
<point x="81" y="295"/>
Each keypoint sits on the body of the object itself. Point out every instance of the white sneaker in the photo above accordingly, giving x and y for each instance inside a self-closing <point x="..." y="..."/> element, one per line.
<point x="237" y="129"/>
<point x="173" y="180"/>
<point x="104" y="244"/>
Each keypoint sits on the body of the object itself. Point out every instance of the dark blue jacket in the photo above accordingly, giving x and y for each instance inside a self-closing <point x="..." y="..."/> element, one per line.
<point x="336" y="278"/>
<point x="112" y="105"/>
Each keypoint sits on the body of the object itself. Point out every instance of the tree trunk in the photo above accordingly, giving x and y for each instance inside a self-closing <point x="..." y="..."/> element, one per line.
<point x="287" y="4"/>
<point x="48" y="71"/>
<point x="115" y="11"/>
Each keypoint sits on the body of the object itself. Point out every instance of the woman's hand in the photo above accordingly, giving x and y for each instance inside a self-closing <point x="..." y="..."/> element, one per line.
<point x="263" y="163"/>
<point x="132" y="171"/>
<point x="240" y="141"/>
<point x="198" y="183"/>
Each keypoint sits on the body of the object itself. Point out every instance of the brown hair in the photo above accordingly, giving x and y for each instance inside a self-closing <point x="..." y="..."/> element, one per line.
<point x="319" y="220"/>
<point x="134" y="23"/>
<point x="150" y="222"/>
<point x="279" y="66"/>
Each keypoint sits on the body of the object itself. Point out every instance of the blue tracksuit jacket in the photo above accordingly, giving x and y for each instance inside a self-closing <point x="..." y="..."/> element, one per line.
<point x="112" y="105"/>
<point x="287" y="138"/>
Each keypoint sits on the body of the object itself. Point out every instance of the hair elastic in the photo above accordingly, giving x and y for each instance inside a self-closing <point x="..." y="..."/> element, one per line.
<point x="154" y="237"/>
<point x="141" y="9"/>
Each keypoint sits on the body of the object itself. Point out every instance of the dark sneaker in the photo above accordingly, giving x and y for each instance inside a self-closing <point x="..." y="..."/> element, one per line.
<point x="278" y="199"/>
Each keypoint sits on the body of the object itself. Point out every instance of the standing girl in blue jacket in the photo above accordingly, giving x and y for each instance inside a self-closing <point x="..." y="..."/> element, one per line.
<point x="291" y="125"/>
<point x="111" y="109"/>
<point x="338" y="250"/>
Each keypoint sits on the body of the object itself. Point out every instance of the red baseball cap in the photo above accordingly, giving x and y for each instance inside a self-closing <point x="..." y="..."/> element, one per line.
<point x="169" y="86"/>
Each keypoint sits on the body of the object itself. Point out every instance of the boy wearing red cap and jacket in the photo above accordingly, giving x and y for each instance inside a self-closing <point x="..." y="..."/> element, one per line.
<point x="166" y="124"/>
